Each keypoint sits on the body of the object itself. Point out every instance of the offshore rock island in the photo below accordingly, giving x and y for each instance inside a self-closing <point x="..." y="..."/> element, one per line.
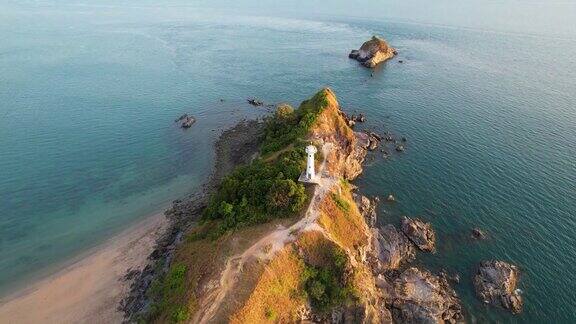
<point x="373" y="52"/>
<point x="270" y="249"/>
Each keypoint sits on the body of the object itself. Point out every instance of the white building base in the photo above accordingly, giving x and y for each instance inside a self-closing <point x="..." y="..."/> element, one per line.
<point x="303" y="178"/>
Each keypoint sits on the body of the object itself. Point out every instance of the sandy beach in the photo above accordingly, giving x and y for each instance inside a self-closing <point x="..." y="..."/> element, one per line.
<point x="90" y="289"/>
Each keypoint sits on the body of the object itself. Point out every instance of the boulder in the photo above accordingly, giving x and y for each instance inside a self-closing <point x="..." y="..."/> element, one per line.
<point x="255" y="102"/>
<point x="495" y="283"/>
<point x="367" y="208"/>
<point x="373" y="144"/>
<point x="399" y="148"/>
<point x="478" y="234"/>
<point x="420" y="233"/>
<point x="373" y="52"/>
<point x="185" y="121"/>
<point x="392" y="248"/>
<point x="421" y="297"/>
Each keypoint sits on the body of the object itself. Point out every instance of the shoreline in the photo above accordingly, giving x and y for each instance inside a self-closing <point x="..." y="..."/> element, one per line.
<point x="91" y="287"/>
<point x="237" y="145"/>
<point x="107" y="283"/>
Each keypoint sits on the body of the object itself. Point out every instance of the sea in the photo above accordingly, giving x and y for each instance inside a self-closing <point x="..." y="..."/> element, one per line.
<point x="485" y="96"/>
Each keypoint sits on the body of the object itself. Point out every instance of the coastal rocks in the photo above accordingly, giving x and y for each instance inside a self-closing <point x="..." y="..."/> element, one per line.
<point x="478" y="234"/>
<point x="255" y="102"/>
<point x="495" y="283"/>
<point x="421" y="297"/>
<point x="351" y="120"/>
<point x="373" y="52"/>
<point x="367" y="208"/>
<point x="420" y="233"/>
<point x="392" y="248"/>
<point x="390" y="198"/>
<point x="185" y="121"/>
<point x="373" y="140"/>
<point x="400" y="148"/>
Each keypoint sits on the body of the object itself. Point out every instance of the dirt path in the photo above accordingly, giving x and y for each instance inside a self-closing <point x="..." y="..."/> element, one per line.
<point x="267" y="246"/>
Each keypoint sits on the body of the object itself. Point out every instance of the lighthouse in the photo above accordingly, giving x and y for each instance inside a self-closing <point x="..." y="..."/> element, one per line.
<point x="310" y="150"/>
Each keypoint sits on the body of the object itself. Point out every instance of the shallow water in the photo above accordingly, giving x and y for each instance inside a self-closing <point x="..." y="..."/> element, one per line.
<point x="88" y="95"/>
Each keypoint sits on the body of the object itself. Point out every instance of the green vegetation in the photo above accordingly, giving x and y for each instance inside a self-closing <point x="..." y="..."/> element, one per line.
<point x="271" y="314"/>
<point x="165" y="290"/>
<point x="258" y="192"/>
<point x="341" y="203"/>
<point x="267" y="189"/>
<point x="287" y="125"/>
<point x="326" y="286"/>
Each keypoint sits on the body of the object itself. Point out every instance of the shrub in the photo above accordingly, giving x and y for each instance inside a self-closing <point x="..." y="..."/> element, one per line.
<point x="180" y="314"/>
<point x="326" y="286"/>
<point x="165" y="290"/>
<point x="258" y="192"/>
<point x="287" y="125"/>
<point x="341" y="203"/>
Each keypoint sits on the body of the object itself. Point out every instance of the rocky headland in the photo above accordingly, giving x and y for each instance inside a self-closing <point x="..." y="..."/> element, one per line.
<point x="325" y="262"/>
<point x="373" y="52"/>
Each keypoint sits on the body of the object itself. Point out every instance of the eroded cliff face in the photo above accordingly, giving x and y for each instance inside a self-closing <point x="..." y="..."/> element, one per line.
<point x="349" y="148"/>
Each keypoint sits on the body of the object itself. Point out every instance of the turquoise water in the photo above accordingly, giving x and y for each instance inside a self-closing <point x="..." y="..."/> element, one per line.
<point x="88" y="94"/>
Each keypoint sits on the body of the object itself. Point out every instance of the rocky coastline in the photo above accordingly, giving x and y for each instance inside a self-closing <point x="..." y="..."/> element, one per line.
<point x="236" y="146"/>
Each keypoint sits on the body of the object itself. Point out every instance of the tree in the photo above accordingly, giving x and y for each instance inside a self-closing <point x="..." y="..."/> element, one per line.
<point x="285" y="196"/>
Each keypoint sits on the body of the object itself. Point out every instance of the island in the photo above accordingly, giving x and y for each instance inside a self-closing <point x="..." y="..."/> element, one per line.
<point x="373" y="52"/>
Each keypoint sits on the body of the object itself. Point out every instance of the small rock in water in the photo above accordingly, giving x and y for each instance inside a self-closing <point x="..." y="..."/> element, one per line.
<point x="478" y="234"/>
<point x="255" y="102"/>
<point x="373" y="144"/>
<point x="400" y="148"/>
<point x="390" y="198"/>
<point x="185" y="121"/>
<point x="403" y="139"/>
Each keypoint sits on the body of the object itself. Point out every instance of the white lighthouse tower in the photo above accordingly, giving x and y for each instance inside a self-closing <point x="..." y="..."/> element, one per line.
<point x="310" y="150"/>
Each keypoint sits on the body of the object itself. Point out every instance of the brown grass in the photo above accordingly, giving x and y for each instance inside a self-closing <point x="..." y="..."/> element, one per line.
<point x="277" y="295"/>
<point x="348" y="228"/>
<point x="205" y="259"/>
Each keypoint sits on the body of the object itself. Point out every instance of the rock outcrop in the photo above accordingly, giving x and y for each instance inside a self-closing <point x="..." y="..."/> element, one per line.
<point x="349" y="148"/>
<point x="185" y="121"/>
<point x="495" y="283"/>
<point x="392" y="248"/>
<point x="478" y="234"/>
<point x="420" y="233"/>
<point x="373" y="52"/>
<point x="421" y="297"/>
<point x="367" y="208"/>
